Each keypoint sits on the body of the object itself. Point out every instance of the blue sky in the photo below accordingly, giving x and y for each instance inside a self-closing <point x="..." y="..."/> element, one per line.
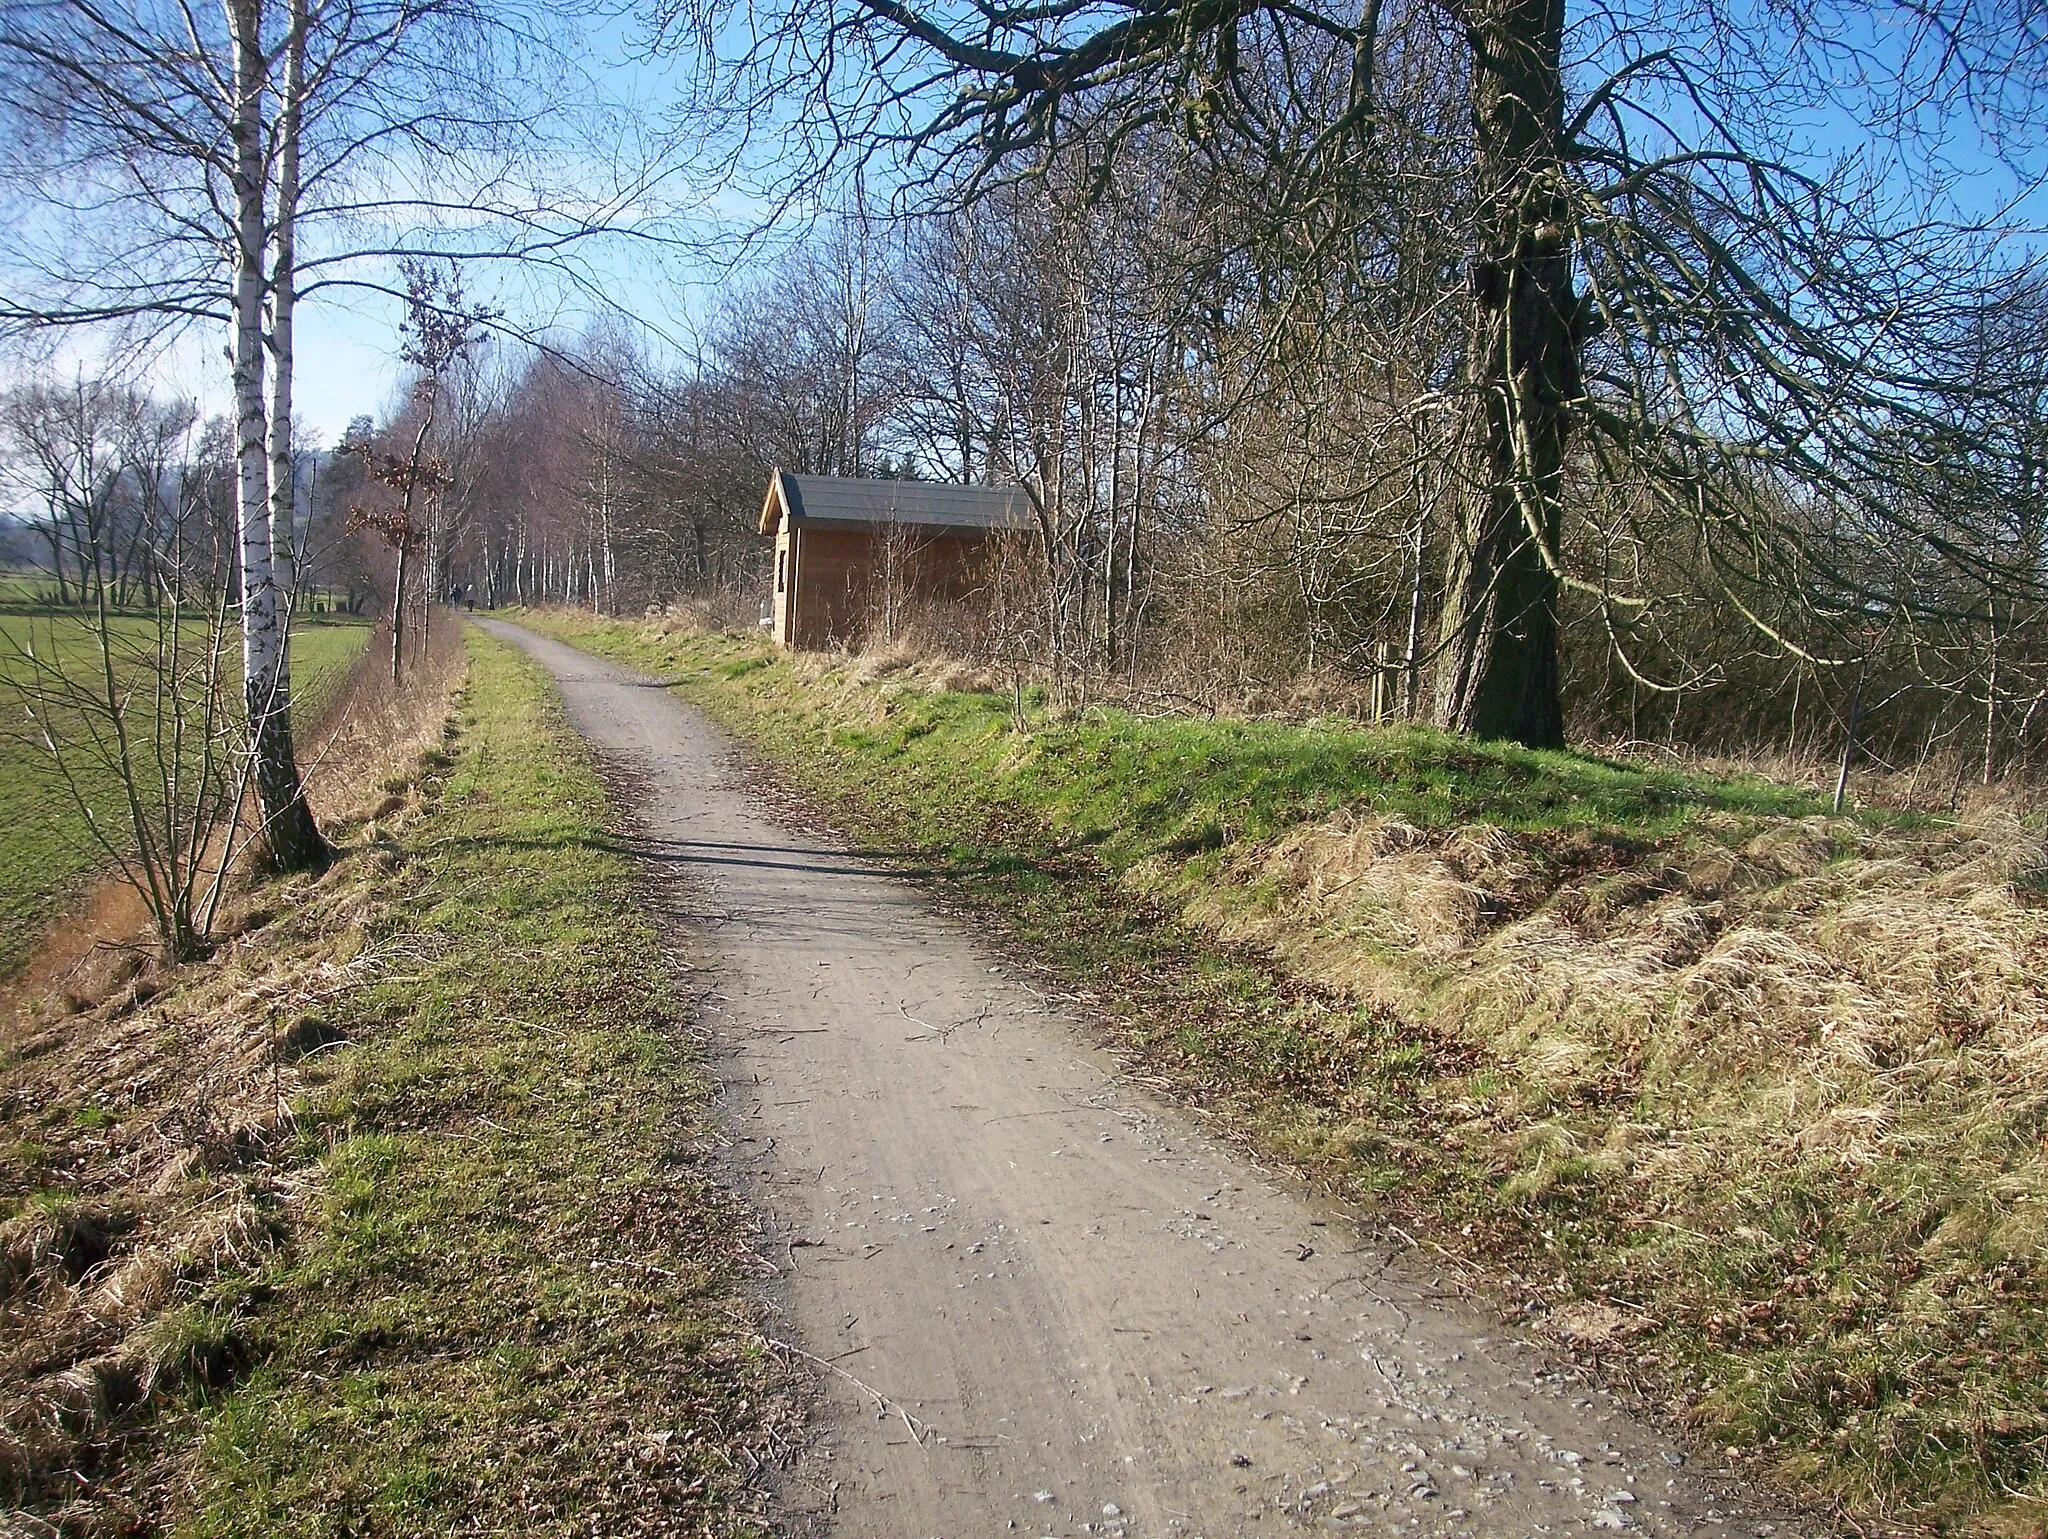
<point x="348" y="343"/>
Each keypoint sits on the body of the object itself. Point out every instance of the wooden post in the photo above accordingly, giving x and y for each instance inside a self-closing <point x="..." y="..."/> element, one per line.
<point x="1849" y="737"/>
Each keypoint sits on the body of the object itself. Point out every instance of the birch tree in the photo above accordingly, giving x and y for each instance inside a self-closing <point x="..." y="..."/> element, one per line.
<point x="168" y="145"/>
<point x="167" y="166"/>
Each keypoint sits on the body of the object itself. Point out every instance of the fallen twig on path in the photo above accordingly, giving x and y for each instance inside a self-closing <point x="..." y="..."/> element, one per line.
<point x="918" y="1429"/>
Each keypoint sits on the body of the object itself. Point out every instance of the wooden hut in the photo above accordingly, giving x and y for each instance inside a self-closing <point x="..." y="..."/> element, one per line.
<point x="846" y="546"/>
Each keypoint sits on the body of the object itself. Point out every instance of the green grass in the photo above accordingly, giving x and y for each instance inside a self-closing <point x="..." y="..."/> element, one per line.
<point x="1864" y="1318"/>
<point x="514" y="1304"/>
<point x="1136" y="786"/>
<point x="46" y="852"/>
<point x="1143" y="786"/>
<point x="487" y="1282"/>
<point x="21" y="586"/>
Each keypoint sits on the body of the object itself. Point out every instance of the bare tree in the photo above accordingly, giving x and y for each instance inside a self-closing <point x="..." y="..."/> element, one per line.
<point x="1656" y="288"/>
<point x="439" y="331"/>
<point x="135" y="706"/>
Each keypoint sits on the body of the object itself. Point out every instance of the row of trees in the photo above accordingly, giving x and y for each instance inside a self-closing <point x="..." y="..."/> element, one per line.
<point x="1512" y="361"/>
<point x="1246" y="477"/>
<point x="117" y="486"/>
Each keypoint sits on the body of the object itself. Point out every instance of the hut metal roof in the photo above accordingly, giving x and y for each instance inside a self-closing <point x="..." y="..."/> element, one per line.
<point x="854" y="500"/>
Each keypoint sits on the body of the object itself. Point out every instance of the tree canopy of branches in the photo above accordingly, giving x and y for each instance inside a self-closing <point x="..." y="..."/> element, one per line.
<point x="169" y="165"/>
<point x="1653" y="297"/>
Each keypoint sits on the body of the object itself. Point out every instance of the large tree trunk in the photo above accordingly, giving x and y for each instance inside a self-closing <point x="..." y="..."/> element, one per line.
<point x="293" y="840"/>
<point x="1498" y="676"/>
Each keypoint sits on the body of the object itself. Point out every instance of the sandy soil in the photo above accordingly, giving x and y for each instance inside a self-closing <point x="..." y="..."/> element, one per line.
<point x="1042" y="1300"/>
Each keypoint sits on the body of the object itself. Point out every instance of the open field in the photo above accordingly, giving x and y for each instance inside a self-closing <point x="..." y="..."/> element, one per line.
<point x="46" y="853"/>
<point x="1749" y="1103"/>
<point x="392" y="1217"/>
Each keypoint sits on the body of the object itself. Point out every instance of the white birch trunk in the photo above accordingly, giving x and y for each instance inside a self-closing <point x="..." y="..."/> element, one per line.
<point x="283" y="307"/>
<point x="294" y="842"/>
<point x="262" y="643"/>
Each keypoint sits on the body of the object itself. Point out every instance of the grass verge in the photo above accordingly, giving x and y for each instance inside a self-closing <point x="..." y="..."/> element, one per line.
<point x="1745" y="1104"/>
<point x="392" y="1218"/>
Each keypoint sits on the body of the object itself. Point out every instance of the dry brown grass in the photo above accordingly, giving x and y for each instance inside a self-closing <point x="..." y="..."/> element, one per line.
<point x="1821" y="931"/>
<point x="146" y="1132"/>
<point x="1752" y="1104"/>
<point x="376" y="730"/>
<point x="1803" y="1066"/>
<point x="145" y="1124"/>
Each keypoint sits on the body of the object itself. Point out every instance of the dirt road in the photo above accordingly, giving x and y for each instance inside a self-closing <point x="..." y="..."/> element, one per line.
<point x="1051" y="1303"/>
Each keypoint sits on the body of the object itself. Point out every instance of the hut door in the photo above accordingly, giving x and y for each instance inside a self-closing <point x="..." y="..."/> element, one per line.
<point x="785" y="585"/>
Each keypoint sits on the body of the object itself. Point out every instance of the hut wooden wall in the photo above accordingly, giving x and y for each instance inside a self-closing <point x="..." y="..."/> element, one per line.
<point x="832" y="578"/>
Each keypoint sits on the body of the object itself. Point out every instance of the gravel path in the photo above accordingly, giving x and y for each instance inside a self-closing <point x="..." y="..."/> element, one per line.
<point x="1051" y="1304"/>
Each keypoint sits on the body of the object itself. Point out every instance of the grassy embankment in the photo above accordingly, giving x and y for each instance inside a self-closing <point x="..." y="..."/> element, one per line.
<point x="47" y="854"/>
<point x="1743" y="1100"/>
<point x="390" y="1218"/>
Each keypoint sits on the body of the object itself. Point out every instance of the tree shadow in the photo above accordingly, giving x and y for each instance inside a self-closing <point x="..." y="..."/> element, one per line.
<point x="807" y="859"/>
